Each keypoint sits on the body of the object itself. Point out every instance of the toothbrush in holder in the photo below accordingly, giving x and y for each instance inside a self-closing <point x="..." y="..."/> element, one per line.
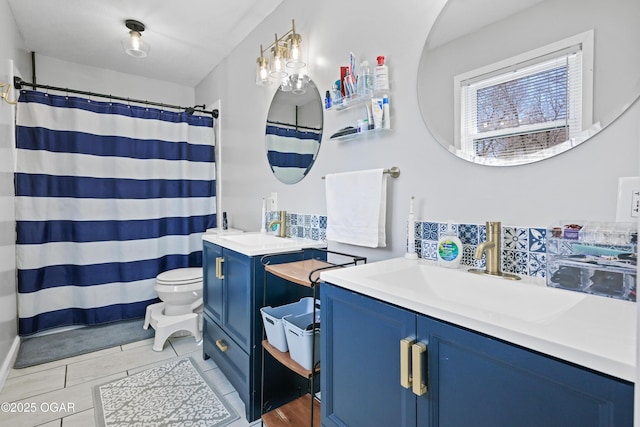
<point x="411" y="227"/>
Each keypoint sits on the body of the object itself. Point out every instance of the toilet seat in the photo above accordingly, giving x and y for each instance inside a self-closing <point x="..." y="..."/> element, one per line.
<point x="180" y="276"/>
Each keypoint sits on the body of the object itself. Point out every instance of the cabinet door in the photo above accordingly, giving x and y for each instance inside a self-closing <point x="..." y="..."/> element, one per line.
<point x="237" y="311"/>
<point x="360" y="359"/>
<point x="212" y="290"/>
<point x="481" y="381"/>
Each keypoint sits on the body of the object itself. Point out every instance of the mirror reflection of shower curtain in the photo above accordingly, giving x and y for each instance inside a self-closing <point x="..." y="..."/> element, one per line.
<point x="291" y="152"/>
<point x="108" y="196"/>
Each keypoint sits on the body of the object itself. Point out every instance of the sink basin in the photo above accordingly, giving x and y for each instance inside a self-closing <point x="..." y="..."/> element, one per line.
<point x="488" y="297"/>
<point x="588" y="330"/>
<point x="261" y="244"/>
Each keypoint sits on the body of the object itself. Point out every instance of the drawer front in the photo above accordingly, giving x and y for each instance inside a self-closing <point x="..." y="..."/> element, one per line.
<point x="229" y="357"/>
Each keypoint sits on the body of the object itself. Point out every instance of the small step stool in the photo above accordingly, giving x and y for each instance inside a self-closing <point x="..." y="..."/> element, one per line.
<point x="165" y="326"/>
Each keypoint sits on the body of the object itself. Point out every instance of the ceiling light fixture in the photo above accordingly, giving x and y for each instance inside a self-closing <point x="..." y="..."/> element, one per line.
<point x="134" y="45"/>
<point x="286" y="53"/>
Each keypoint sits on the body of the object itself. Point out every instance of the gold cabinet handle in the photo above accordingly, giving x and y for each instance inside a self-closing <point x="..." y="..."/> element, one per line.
<point x="417" y="350"/>
<point x="405" y="375"/>
<point x="222" y="345"/>
<point x="219" y="262"/>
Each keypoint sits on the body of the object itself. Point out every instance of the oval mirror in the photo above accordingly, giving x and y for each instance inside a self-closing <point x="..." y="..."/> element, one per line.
<point x="508" y="83"/>
<point x="294" y="129"/>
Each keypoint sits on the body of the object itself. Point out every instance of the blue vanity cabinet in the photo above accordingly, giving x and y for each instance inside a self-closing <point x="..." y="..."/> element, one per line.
<point x="233" y="293"/>
<point x="359" y="345"/>
<point x="470" y="378"/>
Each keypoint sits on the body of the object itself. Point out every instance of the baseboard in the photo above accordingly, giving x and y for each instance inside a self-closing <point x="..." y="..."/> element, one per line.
<point x="7" y="363"/>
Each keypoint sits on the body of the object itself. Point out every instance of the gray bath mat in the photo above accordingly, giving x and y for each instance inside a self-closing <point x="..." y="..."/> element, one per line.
<point x="173" y="394"/>
<point x="56" y="346"/>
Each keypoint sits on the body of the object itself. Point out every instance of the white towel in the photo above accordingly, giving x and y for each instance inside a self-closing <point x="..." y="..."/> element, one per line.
<point x="356" y="207"/>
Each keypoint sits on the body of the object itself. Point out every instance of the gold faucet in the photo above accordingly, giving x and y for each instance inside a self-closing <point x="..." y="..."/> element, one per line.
<point x="493" y="249"/>
<point x="282" y="222"/>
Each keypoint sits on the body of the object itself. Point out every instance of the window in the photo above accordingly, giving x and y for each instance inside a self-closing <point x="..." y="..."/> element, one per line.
<point x="529" y="104"/>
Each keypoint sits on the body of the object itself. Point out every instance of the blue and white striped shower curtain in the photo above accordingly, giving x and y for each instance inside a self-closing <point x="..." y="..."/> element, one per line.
<point x="108" y="195"/>
<point x="291" y="152"/>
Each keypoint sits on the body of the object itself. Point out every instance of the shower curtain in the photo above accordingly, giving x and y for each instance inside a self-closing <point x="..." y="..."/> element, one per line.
<point x="291" y="152"/>
<point x="108" y="195"/>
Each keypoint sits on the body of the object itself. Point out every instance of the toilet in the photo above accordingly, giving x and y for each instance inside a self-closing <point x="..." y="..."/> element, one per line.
<point x="181" y="308"/>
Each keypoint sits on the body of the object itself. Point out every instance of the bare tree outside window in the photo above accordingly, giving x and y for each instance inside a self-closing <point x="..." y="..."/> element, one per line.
<point x="535" y="99"/>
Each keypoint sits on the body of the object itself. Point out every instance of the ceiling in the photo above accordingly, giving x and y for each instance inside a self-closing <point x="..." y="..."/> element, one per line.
<point x="188" y="38"/>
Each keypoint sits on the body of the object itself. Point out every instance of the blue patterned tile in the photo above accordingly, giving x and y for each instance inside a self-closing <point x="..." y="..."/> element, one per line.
<point x="315" y="221"/>
<point x="417" y="230"/>
<point x="537" y="264"/>
<point x="323" y="221"/>
<point x="515" y="262"/>
<point x="482" y="233"/>
<point x="430" y="231"/>
<point x="515" y="239"/>
<point x="429" y="250"/>
<point x="307" y="221"/>
<point x="315" y="233"/>
<point x="537" y="240"/>
<point x="419" y="248"/>
<point x="468" y="255"/>
<point x="444" y="226"/>
<point x="293" y="219"/>
<point x="322" y="234"/>
<point x="559" y="247"/>
<point x="468" y="234"/>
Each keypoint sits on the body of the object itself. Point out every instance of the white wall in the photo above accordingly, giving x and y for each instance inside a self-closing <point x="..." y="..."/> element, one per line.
<point x="56" y="72"/>
<point x="11" y="56"/>
<point x="579" y="184"/>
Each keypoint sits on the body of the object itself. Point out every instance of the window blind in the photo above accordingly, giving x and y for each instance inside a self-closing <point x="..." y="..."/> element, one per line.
<point x="523" y="108"/>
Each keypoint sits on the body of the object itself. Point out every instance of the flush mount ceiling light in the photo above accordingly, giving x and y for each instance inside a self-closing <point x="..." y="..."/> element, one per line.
<point x="286" y="52"/>
<point x="134" y="45"/>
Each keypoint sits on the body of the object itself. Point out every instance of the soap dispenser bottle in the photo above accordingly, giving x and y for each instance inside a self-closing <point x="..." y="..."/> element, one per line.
<point x="381" y="75"/>
<point x="449" y="248"/>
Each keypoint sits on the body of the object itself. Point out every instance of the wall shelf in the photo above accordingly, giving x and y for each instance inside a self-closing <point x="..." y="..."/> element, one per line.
<point x="357" y="100"/>
<point x="370" y="132"/>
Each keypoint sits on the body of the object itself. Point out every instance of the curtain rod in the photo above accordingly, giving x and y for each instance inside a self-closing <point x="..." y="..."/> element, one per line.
<point x="18" y="83"/>
<point x="269" y="122"/>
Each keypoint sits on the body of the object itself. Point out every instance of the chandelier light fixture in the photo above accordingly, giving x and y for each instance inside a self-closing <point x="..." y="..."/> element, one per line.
<point x="286" y="60"/>
<point x="133" y="45"/>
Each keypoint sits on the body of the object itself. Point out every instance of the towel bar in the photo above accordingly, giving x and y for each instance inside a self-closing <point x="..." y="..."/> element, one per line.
<point x="394" y="172"/>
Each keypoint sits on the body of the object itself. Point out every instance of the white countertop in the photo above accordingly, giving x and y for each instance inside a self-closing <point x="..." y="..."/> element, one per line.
<point x="592" y="331"/>
<point x="256" y="243"/>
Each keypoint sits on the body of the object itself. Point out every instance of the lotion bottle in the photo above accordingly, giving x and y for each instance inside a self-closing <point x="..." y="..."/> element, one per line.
<point x="381" y="76"/>
<point x="449" y="248"/>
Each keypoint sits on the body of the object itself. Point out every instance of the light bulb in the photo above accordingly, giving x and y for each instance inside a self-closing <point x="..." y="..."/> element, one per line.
<point x="135" y="40"/>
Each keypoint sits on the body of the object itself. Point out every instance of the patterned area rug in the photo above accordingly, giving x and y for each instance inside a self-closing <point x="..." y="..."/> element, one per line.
<point x="173" y="394"/>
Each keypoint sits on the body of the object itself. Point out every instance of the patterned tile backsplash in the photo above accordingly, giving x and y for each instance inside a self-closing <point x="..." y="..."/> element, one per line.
<point x="523" y="249"/>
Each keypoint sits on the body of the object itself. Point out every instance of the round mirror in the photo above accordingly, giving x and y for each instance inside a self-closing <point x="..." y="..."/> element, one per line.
<point x="508" y="83"/>
<point x="294" y="129"/>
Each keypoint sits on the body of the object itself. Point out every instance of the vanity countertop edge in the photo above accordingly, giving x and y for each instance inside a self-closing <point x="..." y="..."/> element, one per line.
<point x="599" y="333"/>
<point x="288" y="244"/>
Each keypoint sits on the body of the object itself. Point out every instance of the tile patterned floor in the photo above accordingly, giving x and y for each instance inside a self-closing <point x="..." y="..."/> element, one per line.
<point x="60" y="393"/>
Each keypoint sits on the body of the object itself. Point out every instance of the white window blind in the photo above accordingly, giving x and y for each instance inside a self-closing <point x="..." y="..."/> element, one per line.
<point x="522" y="108"/>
